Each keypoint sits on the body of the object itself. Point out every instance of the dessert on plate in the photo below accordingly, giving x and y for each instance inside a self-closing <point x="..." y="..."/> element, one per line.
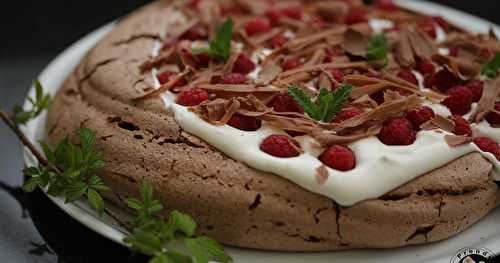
<point x="295" y="125"/>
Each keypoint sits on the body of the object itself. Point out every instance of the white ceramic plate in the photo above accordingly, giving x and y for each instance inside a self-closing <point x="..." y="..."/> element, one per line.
<point x="485" y="233"/>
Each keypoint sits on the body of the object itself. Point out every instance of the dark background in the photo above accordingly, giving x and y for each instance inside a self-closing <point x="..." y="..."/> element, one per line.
<point x="31" y="34"/>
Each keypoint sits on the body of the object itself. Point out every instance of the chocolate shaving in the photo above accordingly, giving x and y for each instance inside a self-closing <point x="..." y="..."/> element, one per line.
<point x="165" y="87"/>
<point x="454" y="140"/>
<point x="228" y="67"/>
<point x="162" y="58"/>
<point x="356" y="41"/>
<point x="404" y="51"/>
<point x="439" y="122"/>
<point x="327" y="139"/>
<point x="268" y="73"/>
<point x="299" y="43"/>
<point x="209" y="15"/>
<point x="295" y="123"/>
<point x="321" y="174"/>
<point x="491" y="91"/>
<point x="242" y="88"/>
<point x="255" y="7"/>
<point x="379" y="114"/>
<point x="320" y="67"/>
<point x="462" y="67"/>
<point x="423" y="46"/>
<point x="325" y="81"/>
<point x="217" y="112"/>
<point x="365" y="102"/>
<point x="332" y="11"/>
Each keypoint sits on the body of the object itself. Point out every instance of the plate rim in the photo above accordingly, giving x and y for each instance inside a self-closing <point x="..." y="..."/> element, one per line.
<point x="102" y="226"/>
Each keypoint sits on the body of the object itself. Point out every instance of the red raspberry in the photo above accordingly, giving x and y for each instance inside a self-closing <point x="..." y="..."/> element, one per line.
<point x="231" y="9"/>
<point x="338" y="157"/>
<point x="193" y="3"/>
<point x="285" y="103"/>
<point x="397" y="131"/>
<point x="318" y="22"/>
<point x="493" y="117"/>
<point x="244" y="123"/>
<point x="257" y="26"/>
<point x="196" y="32"/>
<point x="387" y="5"/>
<point x="234" y="79"/>
<point x="192" y="97"/>
<point x="293" y="12"/>
<point x="459" y="100"/>
<point x="202" y="60"/>
<point x="278" y="41"/>
<point x="454" y="51"/>
<point x="442" y="81"/>
<point x="280" y="146"/>
<point x="347" y="113"/>
<point x="165" y="76"/>
<point x="273" y="16"/>
<point x="420" y="116"/>
<point x="243" y="64"/>
<point x="356" y="17"/>
<point x="429" y="27"/>
<point x="338" y="75"/>
<point x="290" y="64"/>
<point x="476" y="87"/>
<point x="407" y="75"/>
<point x="425" y="67"/>
<point x="462" y="127"/>
<point x="488" y="145"/>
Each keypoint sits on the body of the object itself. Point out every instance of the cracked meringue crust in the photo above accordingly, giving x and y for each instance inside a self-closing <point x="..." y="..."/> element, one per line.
<point x="232" y="202"/>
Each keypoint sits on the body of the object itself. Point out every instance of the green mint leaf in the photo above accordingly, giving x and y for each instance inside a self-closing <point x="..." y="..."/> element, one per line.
<point x="491" y="68"/>
<point x="377" y="48"/>
<point x="183" y="223"/>
<point x="220" y="47"/>
<point x="48" y="152"/>
<point x="39" y="103"/>
<point x="161" y="258"/>
<point x="177" y="257"/>
<point x="31" y="171"/>
<point x="205" y="249"/>
<point x="133" y="203"/>
<point x="97" y="184"/>
<point x="304" y="101"/>
<point x="146" y="192"/>
<point x="87" y="140"/>
<point x="325" y="99"/>
<point x="31" y="184"/>
<point x="75" y="191"/>
<point x="95" y="200"/>
<point x="339" y="97"/>
<point x="145" y="242"/>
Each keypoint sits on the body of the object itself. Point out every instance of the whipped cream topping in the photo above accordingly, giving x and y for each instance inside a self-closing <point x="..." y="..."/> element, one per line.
<point x="380" y="168"/>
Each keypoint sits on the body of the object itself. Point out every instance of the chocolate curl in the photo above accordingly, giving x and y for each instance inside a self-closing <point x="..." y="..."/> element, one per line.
<point x="165" y="87"/>
<point x="486" y="104"/>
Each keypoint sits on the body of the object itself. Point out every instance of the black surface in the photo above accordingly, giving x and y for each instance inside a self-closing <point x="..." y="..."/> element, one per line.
<point x="32" y="32"/>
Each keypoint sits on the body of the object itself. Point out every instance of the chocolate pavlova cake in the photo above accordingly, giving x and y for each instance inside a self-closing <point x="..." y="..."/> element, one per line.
<point x="295" y="125"/>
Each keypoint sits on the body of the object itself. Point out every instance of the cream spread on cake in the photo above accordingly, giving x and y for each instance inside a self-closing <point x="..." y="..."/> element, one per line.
<point x="380" y="168"/>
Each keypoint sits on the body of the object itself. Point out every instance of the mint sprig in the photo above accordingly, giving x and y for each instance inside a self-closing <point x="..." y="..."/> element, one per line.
<point x="76" y="164"/>
<point x="68" y="172"/>
<point x="377" y="48"/>
<point x="491" y="68"/>
<point x="220" y="47"/>
<point x="327" y="105"/>
<point x="39" y="103"/>
<point x="152" y="235"/>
